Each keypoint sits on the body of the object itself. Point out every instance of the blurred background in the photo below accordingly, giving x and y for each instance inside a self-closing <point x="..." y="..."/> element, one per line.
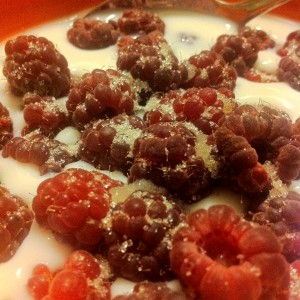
<point x="16" y="16"/>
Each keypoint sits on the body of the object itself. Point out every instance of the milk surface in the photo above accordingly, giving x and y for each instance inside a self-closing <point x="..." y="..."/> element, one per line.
<point x="188" y="33"/>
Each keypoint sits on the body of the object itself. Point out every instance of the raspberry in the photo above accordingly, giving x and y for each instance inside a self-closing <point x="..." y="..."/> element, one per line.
<point x="291" y="45"/>
<point x="165" y="153"/>
<point x="295" y="280"/>
<point x="47" y="114"/>
<point x="251" y="136"/>
<point x="219" y="255"/>
<point x="205" y="108"/>
<point x="93" y="34"/>
<point x="81" y="278"/>
<point x="256" y="75"/>
<point x="150" y="58"/>
<point x="102" y="94"/>
<point x="15" y="222"/>
<point x="289" y="71"/>
<point x="136" y="20"/>
<point x="73" y="204"/>
<point x="257" y="36"/>
<point x="48" y="154"/>
<point x="238" y="51"/>
<point x="32" y="64"/>
<point x="107" y="144"/>
<point x="209" y="69"/>
<point x="281" y="215"/>
<point x="154" y="291"/>
<point x="6" y="126"/>
<point x="138" y="239"/>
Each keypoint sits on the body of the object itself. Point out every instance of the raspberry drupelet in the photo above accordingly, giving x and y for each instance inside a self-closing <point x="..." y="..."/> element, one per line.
<point x="136" y="20"/>
<point x="48" y="154"/>
<point x="172" y="155"/>
<point x="103" y="94"/>
<point x="47" y="114"/>
<point x="15" y="223"/>
<point x="251" y="137"/>
<point x="281" y="214"/>
<point x="93" y="34"/>
<point x="238" y="51"/>
<point x="154" y="291"/>
<point x="139" y="233"/>
<point x="73" y="204"/>
<point x="289" y="65"/>
<point x="219" y="255"/>
<point x="107" y="144"/>
<point x="6" y="126"/>
<point x="209" y="69"/>
<point x="150" y="58"/>
<point x="205" y="108"/>
<point x="33" y="64"/>
<point x="82" y="277"/>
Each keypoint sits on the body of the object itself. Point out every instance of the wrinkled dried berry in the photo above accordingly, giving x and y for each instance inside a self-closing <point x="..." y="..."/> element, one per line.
<point x="218" y="252"/>
<point x="48" y="154"/>
<point x="107" y="144"/>
<point x="135" y="20"/>
<point x="15" y="222"/>
<point x="138" y="239"/>
<point x="33" y="64"/>
<point x="73" y="204"/>
<point x="93" y="34"/>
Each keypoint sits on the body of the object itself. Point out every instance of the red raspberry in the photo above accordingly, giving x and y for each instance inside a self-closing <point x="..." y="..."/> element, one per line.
<point x="256" y="75"/>
<point x="15" y="222"/>
<point x="209" y="69"/>
<point x="81" y="278"/>
<point x="47" y="114"/>
<point x="107" y="144"/>
<point x="93" y="34"/>
<point x="295" y="281"/>
<point x="48" y="154"/>
<point x="205" y="108"/>
<point x="6" y="126"/>
<point x="73" y="204"/>
<point x="135" y="20"/>
<point x="154" y="291"/>
<point x="138" y="239"/>
<point x="238" y="51"/>
<point x="102" y="94"/>
<point x="32" y="64"/>
<point x="257" y="36"/>
<point x="281" y="214"/>
<point x="291" y="45"/>
<point x="218" y="255"/>
<point x="150" y="58"/>
<point x="165" y="153"/>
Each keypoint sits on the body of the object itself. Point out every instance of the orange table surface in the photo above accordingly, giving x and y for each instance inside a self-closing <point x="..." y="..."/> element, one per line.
<point x="16" y="16"/>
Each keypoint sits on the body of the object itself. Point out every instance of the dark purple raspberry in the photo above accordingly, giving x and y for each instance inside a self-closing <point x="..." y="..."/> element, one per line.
<point x="209" y="69"/>
<point x="46" y="114"/>
<point x="103" y="94"/>
<point x="15" y="222"/>
<point x="154" y="291"/>
<point x="48" y="154"/>
<point x="73" y="204"/>
<point x="139" y="235"/>
<point x="93" y="34"/>
<point x="281" y="214"/>
<point x="257" y="36"/>
<point x="238" y="51"/>
<point x="107" y="144"/>
<point x="205" y="108"/>
<point x="166" y="154"/>
<point x="219" y="255"/>
<point x="150" y="58"/>
<point x="6" y="126"/>
<point x="33" y="64"/>
<point x="135" y="20"/>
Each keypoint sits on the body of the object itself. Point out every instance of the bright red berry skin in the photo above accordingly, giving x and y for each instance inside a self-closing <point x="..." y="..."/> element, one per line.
<point x="73" y="204"/>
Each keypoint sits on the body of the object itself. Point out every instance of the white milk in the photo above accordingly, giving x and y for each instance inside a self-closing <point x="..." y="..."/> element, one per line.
<point x="188" y="33"/>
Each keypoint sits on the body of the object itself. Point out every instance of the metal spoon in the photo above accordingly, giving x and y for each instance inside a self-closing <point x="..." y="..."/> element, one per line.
<point x="239" y="11"/>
